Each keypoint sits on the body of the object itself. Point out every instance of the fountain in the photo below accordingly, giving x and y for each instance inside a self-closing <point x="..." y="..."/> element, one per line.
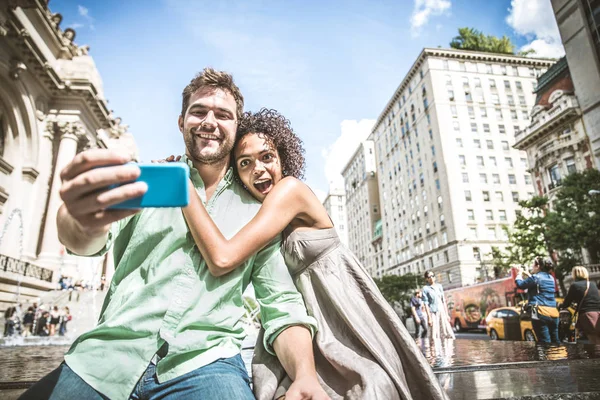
<point x="16" y="211"/>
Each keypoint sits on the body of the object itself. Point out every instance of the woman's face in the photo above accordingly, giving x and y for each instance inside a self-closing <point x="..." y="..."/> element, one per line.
<point x="258" y="165"/>
<point x="536" y="268"/>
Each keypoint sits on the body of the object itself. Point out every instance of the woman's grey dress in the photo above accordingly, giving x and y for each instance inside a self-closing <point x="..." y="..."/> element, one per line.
<point x="362" y="349"/>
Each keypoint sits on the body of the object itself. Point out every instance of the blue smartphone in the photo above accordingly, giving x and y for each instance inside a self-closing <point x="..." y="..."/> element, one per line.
<point x="167" y="186"/>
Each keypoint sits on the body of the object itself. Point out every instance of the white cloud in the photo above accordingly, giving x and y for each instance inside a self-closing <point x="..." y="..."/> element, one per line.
<point x="338" y="154"/>
<point x="535" y="20"/>
<point x="76" y="25"/>
<point x="84" y="12"/>
<point x="424" y="9"/>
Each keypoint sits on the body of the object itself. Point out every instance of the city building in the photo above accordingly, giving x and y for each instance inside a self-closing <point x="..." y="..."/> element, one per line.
<point x="555" y="141"/>
<point x="362" y="207"/>
<point x="335" y="204"/>
<point x="52" y="106"/>
<point x="449" y="177"/>
<point x="579" y="26"/>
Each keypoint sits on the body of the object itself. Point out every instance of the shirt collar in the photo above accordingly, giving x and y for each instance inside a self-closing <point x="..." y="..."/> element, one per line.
<point x="197" y="179"/>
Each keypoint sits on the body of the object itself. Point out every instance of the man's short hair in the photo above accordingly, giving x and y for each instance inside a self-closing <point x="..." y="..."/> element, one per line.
<point x="211" y="78"/>
<point x="429" y="274"/>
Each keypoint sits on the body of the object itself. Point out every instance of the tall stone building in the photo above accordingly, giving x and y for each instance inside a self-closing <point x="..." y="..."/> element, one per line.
<point x="449" y="178"/>
<point x="579" y="26"/>
<point x="335" y="204"/>
<point x="362" y="206"/>
<point x="52" y="106"/>
<point x="555" y="141"/>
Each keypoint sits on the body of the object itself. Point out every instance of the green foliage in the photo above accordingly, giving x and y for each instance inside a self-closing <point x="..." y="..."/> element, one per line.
<point x="398" y="290"/>
<point x="473" y="39"/>
<point x="574" y="222"/>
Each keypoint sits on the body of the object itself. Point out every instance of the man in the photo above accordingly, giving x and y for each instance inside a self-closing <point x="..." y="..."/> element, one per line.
<point x="436" y="308"/>
<point x="168" y="328"/>
<point x="416" y="306"/>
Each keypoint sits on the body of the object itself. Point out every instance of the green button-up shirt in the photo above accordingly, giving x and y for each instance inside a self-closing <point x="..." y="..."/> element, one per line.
<point x="162" y="292"/>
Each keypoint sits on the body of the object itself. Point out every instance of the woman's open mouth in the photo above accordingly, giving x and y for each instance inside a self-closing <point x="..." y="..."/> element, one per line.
<point x="263" y="185"/>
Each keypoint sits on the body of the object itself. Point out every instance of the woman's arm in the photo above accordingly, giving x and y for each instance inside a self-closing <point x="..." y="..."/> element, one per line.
<point x="526" y="283"/>
<point x="569" y="298"/>
<point x="288" y="199"/>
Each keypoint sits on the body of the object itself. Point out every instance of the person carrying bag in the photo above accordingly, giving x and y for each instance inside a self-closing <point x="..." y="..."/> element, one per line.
<point x="585" y="294"/>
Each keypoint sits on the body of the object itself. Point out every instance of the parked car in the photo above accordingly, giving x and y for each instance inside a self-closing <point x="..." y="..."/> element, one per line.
<point x="512" y="323"/>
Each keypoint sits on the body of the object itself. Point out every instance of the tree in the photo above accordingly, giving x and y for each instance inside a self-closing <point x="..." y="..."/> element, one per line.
<point x="398" y="289"/>
<point x="473" y="39"/>
<point x="527" y="238"/>
<point x="574" y="222"/>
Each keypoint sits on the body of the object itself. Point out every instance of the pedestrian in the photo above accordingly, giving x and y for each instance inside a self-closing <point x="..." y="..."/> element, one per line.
<point x="102" y="282"/>
<point x="436" y="309"/>
<point x="42" y="328"/>
<point x="169" y="328"/>
<point x="360" y="333"/>
<point x="585" y="294"/>
<point x="54" y="320"/>
<point x="28" y="319"/>
<point x="65" y="317"/>
<point x="541" y="302"/>
<point x="416" y="306"/>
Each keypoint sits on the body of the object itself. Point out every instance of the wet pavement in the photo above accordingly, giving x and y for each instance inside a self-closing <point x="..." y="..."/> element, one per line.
<point x="467" y="369"/>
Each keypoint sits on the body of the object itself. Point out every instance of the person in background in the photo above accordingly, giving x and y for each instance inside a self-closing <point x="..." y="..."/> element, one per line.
<point x="540" y="292"/>
<point x="28" y="319"/>
<point x="41" y="328"/>
<point x="54" y="320"/>
<point x="416" y="306"/>
<point x="65" y="317"/>
<point x="585" y="294"/>
<point x="437" y="309"/>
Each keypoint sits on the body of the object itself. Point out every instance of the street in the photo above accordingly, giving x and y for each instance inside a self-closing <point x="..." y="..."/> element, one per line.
<point x="473" y="335"/>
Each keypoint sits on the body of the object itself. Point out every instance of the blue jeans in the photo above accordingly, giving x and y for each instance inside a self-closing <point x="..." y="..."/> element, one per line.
<point x="225" y="378"/>
<point x="546" y="329"/>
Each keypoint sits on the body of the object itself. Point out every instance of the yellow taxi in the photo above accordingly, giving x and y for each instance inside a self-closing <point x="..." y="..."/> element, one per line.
<point x="512" y="323"/>
<point x="509" y="323"/>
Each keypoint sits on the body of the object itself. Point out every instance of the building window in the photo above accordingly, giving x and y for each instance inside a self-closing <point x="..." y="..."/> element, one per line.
<point x="496" y="179"/>
<point x="512" y="179"/>
<point x="570" y="163"/>
<point x="489" y="70"/>
<point x="505" y="146"/>
<point x="489" y="144"/>
<point x="498" y="114"/>
<point x="442" y="220"/>
<point x="473" y="232"/>
<point x="448" y="80"/>
<point x="437" y="184"/>
<point x="459" y="142"/>
<point x="509" y="162"/>
<point x="495" y="98"/>
<point x="507" y="85"/>
<point x="477" y="143"/>
<point x="502" y="129"/>
<point x="476" y="254"/>
<point x="456" y="126"/>
<point x="486" y="195"/>
<point x="511" y="100"/>
<point x="554" y="175"/>
<point x="528" y="179"/>
<point x="465" y="177"/>
<point x="515" y="197"/>
<point x="489" y="215"/>
<point x="477" y="82"/>
<point x="491" y="230"/>
<point x="446" y="258"/>
<point x="468" y="195"/>
<point x="522" y="101"/>
<point x="483" y="112"/>
<point x="462" y="160"/>
<point x="519" y="85"/>
<point x="471" y="215"/>
<point x="473" y="127"/>
<point x="502" y="215"/>
<point x="499" y="197"/>
<point x="486" y="128"/>
<point x="461" y="66"/>
<point x="451" y="95"/>
<point x="524" y="163"/>
<point x="483" y="178"/>
<point x="480" y="162"/>
<point x="468" y="96"/>
<point x="493" y="161"/>
<point x="471" y="112"/>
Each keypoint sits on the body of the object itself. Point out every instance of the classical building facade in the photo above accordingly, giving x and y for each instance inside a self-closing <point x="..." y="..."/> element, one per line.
<point x="555" y="141"/>
<point x="449" y="178"/>
<point x="52" y="106"/>
<point x="335" y="204"/>
<point x="362" y="206"/>
<point x="579" y="26"/>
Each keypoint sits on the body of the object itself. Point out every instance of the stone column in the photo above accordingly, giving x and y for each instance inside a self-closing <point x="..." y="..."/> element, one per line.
<point x="37" y="203"/>
<point x="51" y="248"/>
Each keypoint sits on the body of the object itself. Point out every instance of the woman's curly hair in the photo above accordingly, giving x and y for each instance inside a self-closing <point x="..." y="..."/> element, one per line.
<point x="275" y="128"/>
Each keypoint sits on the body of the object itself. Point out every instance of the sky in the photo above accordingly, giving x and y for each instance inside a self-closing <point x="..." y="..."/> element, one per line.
<point x="329" y="66"/>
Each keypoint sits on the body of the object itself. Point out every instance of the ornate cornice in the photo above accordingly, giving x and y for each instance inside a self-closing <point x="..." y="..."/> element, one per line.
<point x="5" y="167"/>
<point x="30" y="174"/>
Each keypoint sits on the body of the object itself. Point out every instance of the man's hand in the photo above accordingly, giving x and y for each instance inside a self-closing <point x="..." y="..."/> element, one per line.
<point x="430" y="322"/>
<point x="417" y="320"/>
<point x="84" y="220"/>
<point x="306" y="388"/>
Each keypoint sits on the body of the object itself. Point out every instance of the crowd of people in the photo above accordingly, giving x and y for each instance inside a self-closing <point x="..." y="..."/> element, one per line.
<point x="36" y="321"/>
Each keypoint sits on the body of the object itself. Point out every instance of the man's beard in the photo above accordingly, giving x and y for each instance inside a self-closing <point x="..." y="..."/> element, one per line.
<point x="220" y="154"/>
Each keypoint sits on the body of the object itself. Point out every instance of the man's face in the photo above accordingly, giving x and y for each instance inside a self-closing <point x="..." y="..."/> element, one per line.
<point x="430" y="279"/>
<point x="209" y="125"/>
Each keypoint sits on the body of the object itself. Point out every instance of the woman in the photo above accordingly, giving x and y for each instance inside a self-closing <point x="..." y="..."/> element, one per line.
<point x="585" y="294"/>
<point x="362" y="350"/>
<point x="437" y="309"/>
<point x="540" y="292"/>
